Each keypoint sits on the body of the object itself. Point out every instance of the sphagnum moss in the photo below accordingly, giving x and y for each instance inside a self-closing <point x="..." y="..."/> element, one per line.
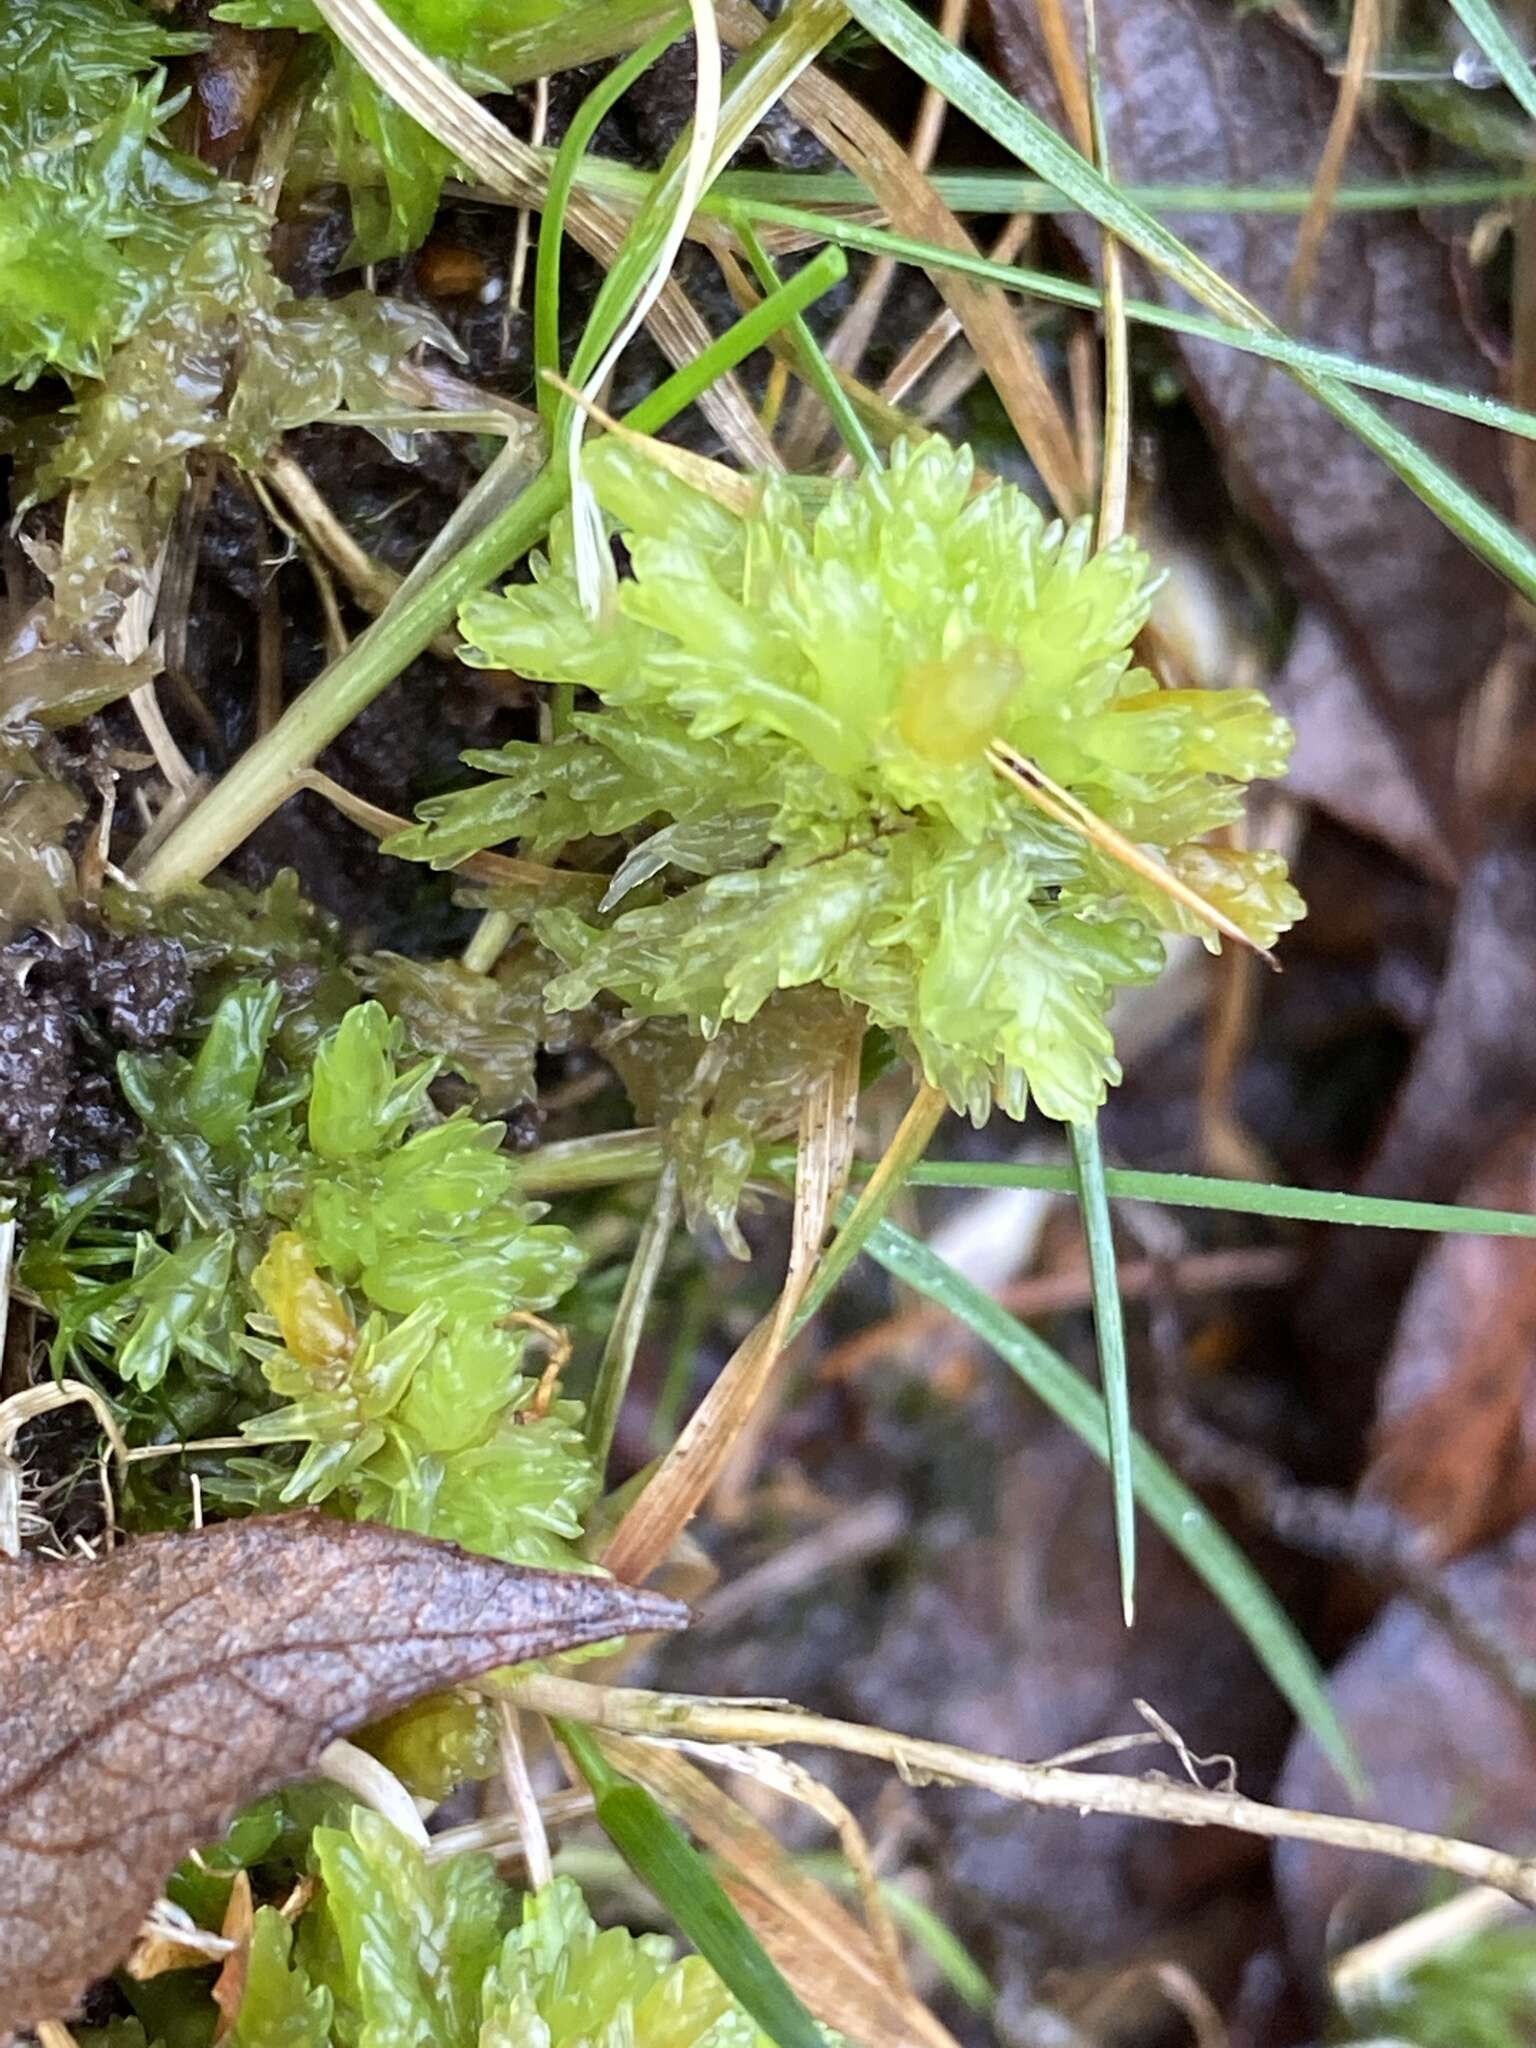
<point x="301" y="1248"/>
<point x="400" y="1950"/>
<point x="797" y="707"/>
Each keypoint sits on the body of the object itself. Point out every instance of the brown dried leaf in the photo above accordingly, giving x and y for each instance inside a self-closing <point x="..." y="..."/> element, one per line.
<point x="1454" y="1448"/>
<point x="147" y="1696"/>
<point x="1197" y="92"/>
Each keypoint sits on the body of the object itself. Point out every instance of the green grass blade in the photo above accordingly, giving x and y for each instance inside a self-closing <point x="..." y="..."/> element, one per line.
<point x="1177" y="1512"/>
<point x="562" y="177"/>
<point x="662" y="1857"/>
<point x="1236" y="1197"/>
<point x="819" y="372"/>
<point x="1007" y="192"/>
<point x="1109" y="1327"/>
<point x="1010" y="192"/>
<point x="738" y="341"/>
<point x="1021" y="131"/>
<point x="575" y="1163"/>
<point x="1487" y="30"/>
<point x="769" y="198"/>
<point x="1270" y="347"/>
<point x="623" y="1341"/>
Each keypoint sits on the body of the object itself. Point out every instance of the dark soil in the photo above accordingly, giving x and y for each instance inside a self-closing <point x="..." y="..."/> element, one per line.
<point x="65" y="1013"/>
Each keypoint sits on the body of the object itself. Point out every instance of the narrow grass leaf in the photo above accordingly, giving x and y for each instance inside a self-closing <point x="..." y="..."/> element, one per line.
<point x="818" y="371"/>
<point x="576" y="1163"/>
<point x="562" y="178"/>
<point x="675" y="393"/>
<point x="1109" y="1326"/>
<point x="1008" y="192"/>
<point x="943" y="1947"/>
<point x="1115" y="453"/>
<point x="1180" y="1515"/>
<point x="1235" y="1197"/>
<point x="624" y="1332"/>
<point x="662" y="1857"/>
<point x="1066" y="291"/>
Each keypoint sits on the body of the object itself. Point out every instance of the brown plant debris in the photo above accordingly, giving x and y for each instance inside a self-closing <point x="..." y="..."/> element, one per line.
<point x="147" y="1696"/>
